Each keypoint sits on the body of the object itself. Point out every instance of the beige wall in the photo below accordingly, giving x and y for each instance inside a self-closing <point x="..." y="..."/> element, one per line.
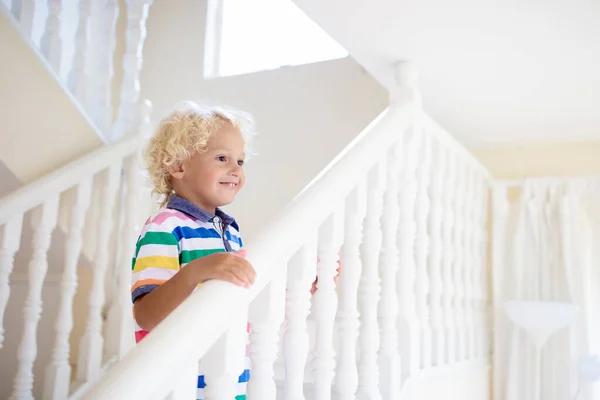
<point x="555" y="159"/>
<point x="305" y="114"/>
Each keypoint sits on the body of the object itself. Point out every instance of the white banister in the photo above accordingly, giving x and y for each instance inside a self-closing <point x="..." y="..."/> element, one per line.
<point x="330" y="237"/>
<point x="459" y="260"/>
<point x="302" y="270"/>
<point x="469" y="310"/>
<point x="436" y="251"/>
<point x="10" y="241"/>
<point x="389" y="357"/>
<point x="51" y="41"/>
<point x="79" y="79"/>
<point x="64" y="178"/>
<point x="103" y="24"/>
<point x="266" y="316"/>
<point x="43" y="221"/>
<point x="127" y="118"/>
<point x="348" y="323"/>
<point x="119" y="332"/>
<point x="369" y="287"/>
<point x="224" y="362"/>
<point x="24" y="12"/>
<point x="92" y="343"/>
<point x="58" y="372"/>
<point x="449" y="256"/>
<point x="408" y="325"/>
<point x="422" y="245"/>
<point x="186" y="383"/>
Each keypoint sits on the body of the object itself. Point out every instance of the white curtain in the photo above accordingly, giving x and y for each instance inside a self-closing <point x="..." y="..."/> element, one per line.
<point x="546" y="246"/>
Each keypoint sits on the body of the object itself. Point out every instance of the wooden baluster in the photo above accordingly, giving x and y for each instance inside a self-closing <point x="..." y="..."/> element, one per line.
<point x="44" y="219"/>
<point x="24" y="12"/>
<point x="409" y="336"/>
<point x="10" y="240"/>
<point x="449" y="254"/>
<point x="58" y="371"/>
<point x="266" y="315"/>
<point x="302" y="270"/>
<point x="485" y="269"/>
<point x="127" y="120"/>
<point x="346" y="376"/>
<point x="468" y="310"/>
<point x="92" y="343"/>
<point x="459" y="287"/>
<point x="51" y="42"/>
<point x="104" y="21"/>
<point x="421" y="251"/>
<point x="369" y="287"/>
<point x="79" y="79"/>
<point x="389" y="358"/>
<point x="435" y="255"/>
<point x="478" y="263"/>
<point x="119" y="335"/>
<point x="224" y="362"/>
<point x="325" y="299"/>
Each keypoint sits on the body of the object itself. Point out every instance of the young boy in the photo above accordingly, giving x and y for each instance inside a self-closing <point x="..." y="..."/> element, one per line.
<point x="195" y="162"/>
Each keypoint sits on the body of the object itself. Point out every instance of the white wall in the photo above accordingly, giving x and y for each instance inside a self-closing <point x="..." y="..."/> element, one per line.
<point x="305" y="114"/>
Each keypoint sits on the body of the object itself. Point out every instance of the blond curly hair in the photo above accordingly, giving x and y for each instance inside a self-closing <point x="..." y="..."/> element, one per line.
<point x="185" y="132"/>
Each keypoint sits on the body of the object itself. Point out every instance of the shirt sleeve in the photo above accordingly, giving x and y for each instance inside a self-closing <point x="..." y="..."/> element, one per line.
<point x="156" y="260"/>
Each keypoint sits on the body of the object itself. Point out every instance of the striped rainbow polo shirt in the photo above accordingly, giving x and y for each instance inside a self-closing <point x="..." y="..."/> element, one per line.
<point x="170" y="239"/>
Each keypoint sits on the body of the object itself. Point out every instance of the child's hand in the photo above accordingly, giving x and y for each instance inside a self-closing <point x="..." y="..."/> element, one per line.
<point x="230" y="267"/>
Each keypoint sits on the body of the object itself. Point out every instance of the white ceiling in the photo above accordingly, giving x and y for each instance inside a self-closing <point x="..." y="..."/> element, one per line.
<point x="492" y="73"/>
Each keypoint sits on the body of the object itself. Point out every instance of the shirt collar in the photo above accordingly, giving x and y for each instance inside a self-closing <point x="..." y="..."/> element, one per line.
<point x="189" y="208"/>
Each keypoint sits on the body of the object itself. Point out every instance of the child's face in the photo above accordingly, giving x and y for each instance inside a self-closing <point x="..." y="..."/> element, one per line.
<point x="213" y="178"/>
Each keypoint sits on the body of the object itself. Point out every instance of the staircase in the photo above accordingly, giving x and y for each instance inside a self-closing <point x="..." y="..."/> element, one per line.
<point x="404" y="204"/>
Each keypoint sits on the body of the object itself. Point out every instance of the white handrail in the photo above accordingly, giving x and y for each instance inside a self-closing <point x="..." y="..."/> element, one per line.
<point x="35" y="193"/>
<point x="174" y="346"/>
<point x="444" y="137"/>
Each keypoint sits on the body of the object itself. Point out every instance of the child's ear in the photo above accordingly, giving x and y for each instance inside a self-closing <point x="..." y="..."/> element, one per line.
<point x="177" y="170"/>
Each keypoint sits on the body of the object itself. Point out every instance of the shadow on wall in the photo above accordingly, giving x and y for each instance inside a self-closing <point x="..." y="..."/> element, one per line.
<point x="8" y="181"/>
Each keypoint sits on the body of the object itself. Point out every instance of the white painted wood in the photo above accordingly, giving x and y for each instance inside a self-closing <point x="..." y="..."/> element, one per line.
<point x="408" y="324"/>
<point x="10" y="240"/>
<point x="435" y="252"/>
<point x="469" y="309"/>
<point x="331" y="234"/>
<point x="92" y="343"/>
<point x="484" y="267"/>
<point x="79" y="80"/>
<point x="128" y="115"/>
<point x="449" y="255"/>
<point x="186" y="383"/>
<point x="119" y="323"/>
<point x="51" y="42"/>
<point x="389" y="357"/>
<point x="64" y="178"/>
<point x="422" y="247"/>
<point x="302" y="270"/>
<point x="348" y="323"/>
<point x="266" y="316"/>
<point x="24" y="12"/>
<point x="224" y="362"/>
<point x="58" y="371"/>
<point x="103" y="24"/>
<point x="369" y="287"/>
<point x="458" y="262"/>
<point x="44" y="219"/>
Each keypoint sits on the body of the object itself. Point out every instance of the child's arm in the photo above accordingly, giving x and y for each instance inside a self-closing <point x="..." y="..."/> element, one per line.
<point x="152" y="308"/>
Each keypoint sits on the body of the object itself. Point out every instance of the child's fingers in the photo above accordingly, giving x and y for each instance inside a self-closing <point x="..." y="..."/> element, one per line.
<point x="241" y="253"/>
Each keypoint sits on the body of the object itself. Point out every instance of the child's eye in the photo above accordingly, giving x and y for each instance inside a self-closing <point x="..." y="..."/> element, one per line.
<point x="222" y="158"/>
<point x="240" y="162"/>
